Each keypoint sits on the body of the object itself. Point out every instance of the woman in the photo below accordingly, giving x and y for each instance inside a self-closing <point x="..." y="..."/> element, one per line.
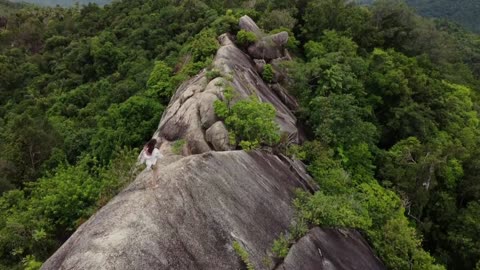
<point x="150" y="154"/>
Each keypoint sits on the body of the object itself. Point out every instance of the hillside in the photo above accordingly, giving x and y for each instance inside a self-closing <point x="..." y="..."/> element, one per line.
<point x="324" y="129"/>
<point x="463" y="12"/>
<point x="7" y="7"/>
<point x="62" y="3"/>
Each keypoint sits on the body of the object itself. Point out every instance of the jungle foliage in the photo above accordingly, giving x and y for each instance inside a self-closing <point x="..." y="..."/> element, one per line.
<point x="389" y="101"/>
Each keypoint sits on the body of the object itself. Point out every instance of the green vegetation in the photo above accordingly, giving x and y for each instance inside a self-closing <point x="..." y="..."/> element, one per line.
<point x="278" y="19"/>
<point x="268" y="73"/>
<point x="31" y="264"/>
<point x="245" y="38"/>
<point x="51" y="208"/>
<point x="177" y="146"/>
<point x="7" y="7"/>
<point x="390" y="114"/>
<point x="250" y="122"/>
<point x="281" y="246"/>
<point x="77" y="85"/>
<point x="64" y="3"/>
<point x="389" y="102"/>
<point x="298" y="229"/>
<point x="212" y="74"/>
<point x="465" y="12"/>
<point x="372" y="209"/>
<point x="243" y="254"/>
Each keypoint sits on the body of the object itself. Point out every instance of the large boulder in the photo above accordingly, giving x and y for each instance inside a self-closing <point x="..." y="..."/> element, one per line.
<point x="329" y="249"/>
<point x="267" y="47"/>
<point x="190" y="112"/>
<point x="186" y="215"/>
<point x="246" y="23"/>
<point x="217" y="135"/>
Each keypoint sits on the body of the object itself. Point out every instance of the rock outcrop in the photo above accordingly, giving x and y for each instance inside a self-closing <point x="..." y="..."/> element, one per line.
<point x="186" y="215"/>
<point x="267" y="47"/>
<point x="188" y="211"/>
<point x="328" y="249"/>
<point x="190" y="112"/>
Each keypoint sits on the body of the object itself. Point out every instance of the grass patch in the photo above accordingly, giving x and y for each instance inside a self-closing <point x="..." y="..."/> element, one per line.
<point x="243" y="254"/>
<point x="177" y="146"/>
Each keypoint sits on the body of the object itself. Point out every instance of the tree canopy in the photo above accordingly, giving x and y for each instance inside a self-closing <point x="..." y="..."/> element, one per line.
<point x="389" y="102"/>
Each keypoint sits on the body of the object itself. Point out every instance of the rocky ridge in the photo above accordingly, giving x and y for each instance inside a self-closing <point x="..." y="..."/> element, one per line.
<point x="187" y="212"/>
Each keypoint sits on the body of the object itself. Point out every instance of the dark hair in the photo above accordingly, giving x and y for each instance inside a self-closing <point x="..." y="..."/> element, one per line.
<point x="151" y="145"/>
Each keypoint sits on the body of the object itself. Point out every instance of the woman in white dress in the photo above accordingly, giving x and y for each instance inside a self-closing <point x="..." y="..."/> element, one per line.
<point x="150" y="155"/>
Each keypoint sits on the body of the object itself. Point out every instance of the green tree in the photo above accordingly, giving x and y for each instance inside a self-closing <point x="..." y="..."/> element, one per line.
<point x="250" y="122"/>
<point x="27" y="142"/>
<point x="129" y="123"/>
<point x="464" y="237"/>
<point x="159" y="84"/>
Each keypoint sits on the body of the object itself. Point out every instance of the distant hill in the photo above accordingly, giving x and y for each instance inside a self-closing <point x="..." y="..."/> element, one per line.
<point x="7" y="7"/>
<point x="64" y="3"/>
<point x="464" y="12"/>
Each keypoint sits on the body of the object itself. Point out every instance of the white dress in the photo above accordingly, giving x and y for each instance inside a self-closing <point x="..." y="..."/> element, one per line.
<point x="151" y="160"/>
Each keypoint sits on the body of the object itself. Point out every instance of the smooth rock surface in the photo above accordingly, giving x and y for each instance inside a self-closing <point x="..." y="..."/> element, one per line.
<point x="331" y="249"/>
<point x="269" y="47"/>
<point x="187" y="214"/>
<point x="246" y="23"/>
<point x="217" y="135"/>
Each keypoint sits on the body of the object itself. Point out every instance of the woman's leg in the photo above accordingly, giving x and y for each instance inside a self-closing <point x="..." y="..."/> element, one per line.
<point x="155" y="174"/>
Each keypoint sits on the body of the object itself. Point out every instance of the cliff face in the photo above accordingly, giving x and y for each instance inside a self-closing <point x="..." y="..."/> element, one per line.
<point x="188" y="211"/>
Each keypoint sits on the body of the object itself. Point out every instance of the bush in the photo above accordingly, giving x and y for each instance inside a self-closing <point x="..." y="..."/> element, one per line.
<point x="128" y="123"/>
<point x="204" y="45"/>
<point x="227" y="23"/>
<point x="245" y="38"/>
<point x="333" y="210"/>
<point x="378" y="212"/>
<point x="212" y="74"/>
<point x="277" y="19"/>
<point x="30" y="220"/>
<point x="243" y="254"/>
<point x="250" y="122"/>
<point x="30" y="263"/>
<point x="281" y="247"/>
<point x="177" y="146"/>
<point x="268" y="73"/>
<point x="159" y="84"/>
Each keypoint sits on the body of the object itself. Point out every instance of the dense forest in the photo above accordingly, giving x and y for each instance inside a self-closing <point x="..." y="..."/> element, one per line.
<point x="463" y="12"/>
<point x="389" y="101"/>
<point x="7" y="7"/>
<point x="63" y="3"/>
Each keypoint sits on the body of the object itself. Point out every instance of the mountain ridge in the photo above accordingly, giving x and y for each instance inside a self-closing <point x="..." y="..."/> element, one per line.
<point x="188" y="211"/>
<point x="463" y="12"/>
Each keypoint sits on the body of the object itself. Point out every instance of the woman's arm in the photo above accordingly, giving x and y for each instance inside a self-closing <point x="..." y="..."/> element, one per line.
<point x="143" y="157"/>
